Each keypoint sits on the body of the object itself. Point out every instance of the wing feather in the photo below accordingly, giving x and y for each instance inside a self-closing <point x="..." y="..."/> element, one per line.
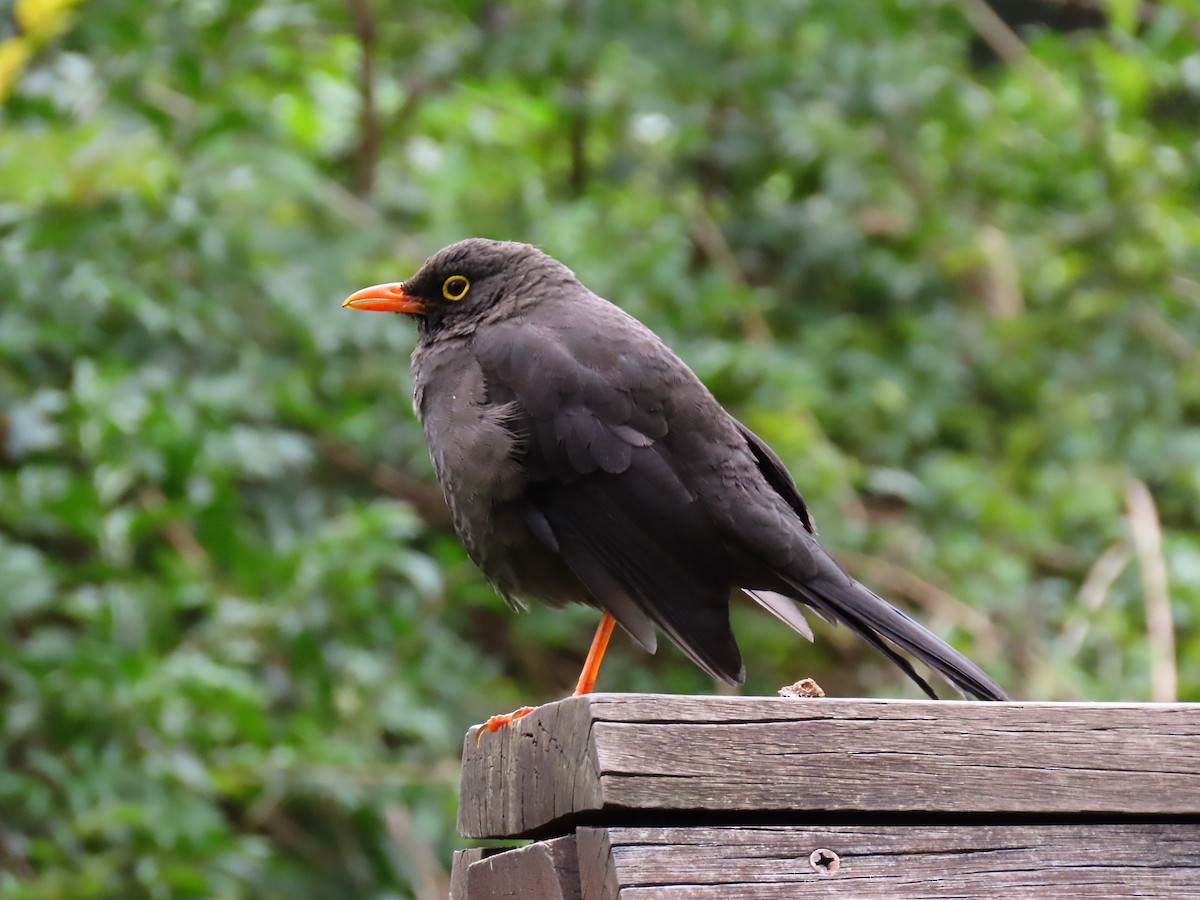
<point x="606" y="496"/>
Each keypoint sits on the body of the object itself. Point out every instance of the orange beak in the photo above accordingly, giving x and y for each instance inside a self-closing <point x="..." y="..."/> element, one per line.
<point x="385" y="298"/>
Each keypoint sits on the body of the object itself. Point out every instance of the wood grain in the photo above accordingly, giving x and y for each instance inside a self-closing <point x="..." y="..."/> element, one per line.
<point x="621" y="755"/>
<point x="968" y="861"/>
<point x="463" y="859"/>
<point x="546" y="871"/>
<point x="541" y="769"/>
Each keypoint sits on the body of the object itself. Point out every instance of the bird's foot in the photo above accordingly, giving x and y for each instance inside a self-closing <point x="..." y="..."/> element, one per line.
<point x="495" y="723"/>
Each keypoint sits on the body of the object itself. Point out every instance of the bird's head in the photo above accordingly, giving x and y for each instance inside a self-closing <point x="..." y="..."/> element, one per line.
<point x="464" y="282"/>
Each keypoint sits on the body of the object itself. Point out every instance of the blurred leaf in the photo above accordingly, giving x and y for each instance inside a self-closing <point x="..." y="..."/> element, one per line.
<point x="960" y="298"/>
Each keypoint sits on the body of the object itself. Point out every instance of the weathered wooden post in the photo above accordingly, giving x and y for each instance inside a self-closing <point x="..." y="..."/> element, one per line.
<point x="648" y="796"/>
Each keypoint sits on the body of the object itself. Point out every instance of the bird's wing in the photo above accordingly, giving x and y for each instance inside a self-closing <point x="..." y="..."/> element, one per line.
<point x="604" y="491"/>
<point x="777" y="475"/>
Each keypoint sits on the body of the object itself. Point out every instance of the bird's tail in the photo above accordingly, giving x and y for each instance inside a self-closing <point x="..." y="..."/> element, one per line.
<point x="838" y="597"/>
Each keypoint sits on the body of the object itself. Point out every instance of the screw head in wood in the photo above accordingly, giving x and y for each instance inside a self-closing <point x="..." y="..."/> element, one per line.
<point x="824" y="861"/>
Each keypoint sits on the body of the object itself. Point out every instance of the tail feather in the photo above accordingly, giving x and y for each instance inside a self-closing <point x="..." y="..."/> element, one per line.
<point x="783" y="608"/>
<point x="875" y="619"/>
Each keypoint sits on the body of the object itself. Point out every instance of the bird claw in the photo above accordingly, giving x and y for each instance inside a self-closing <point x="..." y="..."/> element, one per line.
<point x="495" y="723"/>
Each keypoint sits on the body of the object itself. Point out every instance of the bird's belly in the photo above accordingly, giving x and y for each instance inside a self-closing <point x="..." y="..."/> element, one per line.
<point x="473" y="454"/>
<point x="519" y="565"/>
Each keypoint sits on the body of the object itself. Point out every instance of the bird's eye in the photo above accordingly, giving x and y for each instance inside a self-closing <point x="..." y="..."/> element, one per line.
<point x="455" y="287"/>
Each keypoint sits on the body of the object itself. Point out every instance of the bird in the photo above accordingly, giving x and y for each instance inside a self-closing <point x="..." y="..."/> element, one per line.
<point x="584" y="462"/>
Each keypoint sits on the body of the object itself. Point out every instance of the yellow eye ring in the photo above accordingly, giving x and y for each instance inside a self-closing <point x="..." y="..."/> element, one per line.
<point x="455" y="287"/>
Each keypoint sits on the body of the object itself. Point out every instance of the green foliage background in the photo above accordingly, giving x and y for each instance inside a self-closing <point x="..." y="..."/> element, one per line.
<point x="958" y="292"/>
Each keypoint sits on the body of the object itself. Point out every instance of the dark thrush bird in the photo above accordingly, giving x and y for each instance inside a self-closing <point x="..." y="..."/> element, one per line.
<point x="583" y="461"/>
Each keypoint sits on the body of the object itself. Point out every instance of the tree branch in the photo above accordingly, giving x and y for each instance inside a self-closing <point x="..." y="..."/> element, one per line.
<point x="706" y="234"/>
<point x="1099" y="580"/>
<point x="426" y="499"/>
<point x="367" y="154"/>
<point x="431" y="879"/>
<point x="1160" y="628"/>
<point x="1005" y="42"/>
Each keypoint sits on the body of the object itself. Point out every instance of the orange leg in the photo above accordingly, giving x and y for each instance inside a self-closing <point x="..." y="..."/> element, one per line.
<point x="591" y="666"/>
<point x="587" y="678"/>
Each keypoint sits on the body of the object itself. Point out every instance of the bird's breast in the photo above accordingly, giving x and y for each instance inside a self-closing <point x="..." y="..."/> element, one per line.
<point x="473" y="451"/>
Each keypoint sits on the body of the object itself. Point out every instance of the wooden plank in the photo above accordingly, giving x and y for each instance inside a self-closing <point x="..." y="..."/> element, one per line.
<point x="542" y="767"/>
<point x="895" y="862"/>
<point x="598" y="873"/>
<point x="547" y="871"/>
<point x="463" y="859"/>
<point x="728" y="757"/>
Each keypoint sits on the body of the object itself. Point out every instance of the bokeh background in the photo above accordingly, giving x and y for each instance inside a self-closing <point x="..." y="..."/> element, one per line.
<point x="944" y="257"/>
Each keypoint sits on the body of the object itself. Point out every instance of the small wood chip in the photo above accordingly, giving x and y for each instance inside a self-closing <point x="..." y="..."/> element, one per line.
<point x="804" y="688"/>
